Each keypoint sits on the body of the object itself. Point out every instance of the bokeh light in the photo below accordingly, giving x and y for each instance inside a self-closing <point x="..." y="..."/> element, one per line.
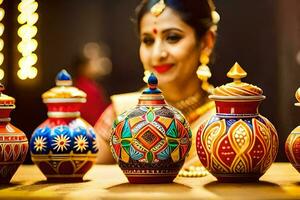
<point x="27" y="31"/>
<point x="2" y="14"/>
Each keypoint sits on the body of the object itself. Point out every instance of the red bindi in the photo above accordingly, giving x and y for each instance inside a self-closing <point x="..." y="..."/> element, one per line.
<point x="155" y="31"/>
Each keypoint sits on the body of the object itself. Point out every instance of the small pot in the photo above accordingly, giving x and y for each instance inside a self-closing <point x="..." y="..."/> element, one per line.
<point x="13" y="142"/>
<point x="64" y="146"/>
<point x="237" y="144"/>
<point x="151" y="140"/>
<point x="292" y="144"/>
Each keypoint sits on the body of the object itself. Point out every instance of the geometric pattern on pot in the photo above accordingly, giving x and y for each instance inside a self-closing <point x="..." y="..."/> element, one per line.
<point x="149" y="137"/>
<point x="240" y="146"/>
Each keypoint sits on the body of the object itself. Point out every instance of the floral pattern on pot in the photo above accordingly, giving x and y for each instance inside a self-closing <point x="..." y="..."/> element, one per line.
<point x="64" y="146"/>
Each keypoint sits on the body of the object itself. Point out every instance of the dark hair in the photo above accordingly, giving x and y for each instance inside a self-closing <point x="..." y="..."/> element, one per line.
<point x="196" y="13"/>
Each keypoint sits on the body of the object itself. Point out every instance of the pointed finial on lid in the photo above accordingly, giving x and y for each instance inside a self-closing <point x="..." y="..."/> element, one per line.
<point x="63" y="78"/>
<point x="152" y="85"/>
<point x="236" y="72"/>
<point x="152" y="81"/>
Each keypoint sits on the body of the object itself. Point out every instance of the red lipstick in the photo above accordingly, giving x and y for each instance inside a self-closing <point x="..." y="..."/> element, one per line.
<point x="162" y="68"/>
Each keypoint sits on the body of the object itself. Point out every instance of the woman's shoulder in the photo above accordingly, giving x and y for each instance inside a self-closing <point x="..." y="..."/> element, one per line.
<point x="119" y="104"/>
<point x="122" y="102"/>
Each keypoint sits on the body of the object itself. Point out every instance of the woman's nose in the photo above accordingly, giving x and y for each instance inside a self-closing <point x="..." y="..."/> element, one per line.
<point x="159" y="52"/>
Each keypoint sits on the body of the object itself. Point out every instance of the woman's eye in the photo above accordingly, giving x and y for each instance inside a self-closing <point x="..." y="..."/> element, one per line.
<point x="147" y="41"/>
<point x="173" y="38"/>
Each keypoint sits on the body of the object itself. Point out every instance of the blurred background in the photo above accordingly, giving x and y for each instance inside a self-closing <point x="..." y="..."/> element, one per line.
<point x="263" y="36"/>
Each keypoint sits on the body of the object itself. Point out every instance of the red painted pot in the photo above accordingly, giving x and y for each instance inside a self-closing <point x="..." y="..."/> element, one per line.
<point x="292" y="144"/>
<point x="237" y="144"/>
<point x="13" y="142"/>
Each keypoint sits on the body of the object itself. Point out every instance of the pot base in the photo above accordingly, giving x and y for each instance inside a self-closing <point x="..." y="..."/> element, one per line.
<point x="7" y="171"/>
<point x="237" y="178"/>
<point x="64" y="179"/>
<point x="4" y="181"/>
<point x="297" y="167"/>
<point x="150" y="179"/>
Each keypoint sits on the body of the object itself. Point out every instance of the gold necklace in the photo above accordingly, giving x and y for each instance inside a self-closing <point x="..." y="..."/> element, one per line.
<point x="191" y="105"/>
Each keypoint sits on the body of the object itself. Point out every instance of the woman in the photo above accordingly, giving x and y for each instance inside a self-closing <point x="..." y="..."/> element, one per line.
<point x="176" y="36"/>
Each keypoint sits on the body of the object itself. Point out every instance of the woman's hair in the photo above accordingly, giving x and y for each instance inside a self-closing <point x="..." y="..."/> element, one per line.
<point x="196" y="13"/>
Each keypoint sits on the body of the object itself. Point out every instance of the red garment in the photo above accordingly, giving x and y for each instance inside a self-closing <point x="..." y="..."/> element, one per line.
<point x="96" y="101"/>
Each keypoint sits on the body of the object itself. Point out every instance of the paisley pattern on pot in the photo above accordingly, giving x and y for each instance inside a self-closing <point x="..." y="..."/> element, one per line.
<point x="237" y="144"/>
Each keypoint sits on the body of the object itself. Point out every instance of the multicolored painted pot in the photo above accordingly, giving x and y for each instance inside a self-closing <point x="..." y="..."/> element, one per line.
<point x="237" y="144"/>
<point x="150" y="141"/>
<point x="292" y="144"/>
<point x="13" y="142"/>
<point x="64" y="146"/>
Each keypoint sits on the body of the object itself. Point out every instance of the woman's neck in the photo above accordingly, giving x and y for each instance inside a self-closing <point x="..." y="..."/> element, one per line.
<point x="174" y="92"/>
<point x="188" y="98"/>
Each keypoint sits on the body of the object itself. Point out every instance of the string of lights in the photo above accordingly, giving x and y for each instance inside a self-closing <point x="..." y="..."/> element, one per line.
<point x="2" y="13"/>
<point x="27" y="19"/>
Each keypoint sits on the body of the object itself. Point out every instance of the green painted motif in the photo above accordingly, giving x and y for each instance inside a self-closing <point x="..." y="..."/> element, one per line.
<point x="115" y="124"/>
<point x="150" y="116"/>
<point x="190" y="133"/>
<point x="172" y="130"/>
<point x="126" y="145"/>
<point x="173" y="144"/>
<point x="149" y="157"/>
<point x="126" y="132"/>
<point x="120" y="118"/>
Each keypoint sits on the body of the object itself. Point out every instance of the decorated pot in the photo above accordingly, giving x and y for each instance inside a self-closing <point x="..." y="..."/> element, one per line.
<point x="64" y="146"/>
<point x="237" y="144"/>
<point x="292" y="144"/>
<point x="13" y="142"/>
<point x="151" y="140"/>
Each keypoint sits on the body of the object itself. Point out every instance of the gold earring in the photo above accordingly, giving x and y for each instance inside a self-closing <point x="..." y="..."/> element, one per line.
<point x="204" y="73"/>
<point x="147" y="73"/>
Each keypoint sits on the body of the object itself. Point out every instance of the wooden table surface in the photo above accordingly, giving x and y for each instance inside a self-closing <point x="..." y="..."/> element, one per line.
<point x="281" y="181"/>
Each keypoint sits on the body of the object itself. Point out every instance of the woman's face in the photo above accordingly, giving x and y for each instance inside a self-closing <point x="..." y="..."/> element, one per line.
<point x="169" y="47"/>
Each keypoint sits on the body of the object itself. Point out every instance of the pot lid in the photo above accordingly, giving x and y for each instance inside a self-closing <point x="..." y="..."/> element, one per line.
<point x="64" y="88"/>
<point x="5" y="100"/>
<point x="152" y="95"/>
<point x="237" y="89"/>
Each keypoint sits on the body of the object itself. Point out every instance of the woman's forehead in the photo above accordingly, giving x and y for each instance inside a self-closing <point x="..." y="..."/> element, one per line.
<point x="168" y="19"/>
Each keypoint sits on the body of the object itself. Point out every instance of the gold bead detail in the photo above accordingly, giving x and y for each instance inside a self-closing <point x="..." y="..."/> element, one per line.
<point x="204" y="59"/>
<point x="203" y="72"/>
